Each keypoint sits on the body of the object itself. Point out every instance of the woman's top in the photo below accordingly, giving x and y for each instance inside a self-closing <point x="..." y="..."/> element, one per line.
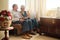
<point x="24" y="14"/>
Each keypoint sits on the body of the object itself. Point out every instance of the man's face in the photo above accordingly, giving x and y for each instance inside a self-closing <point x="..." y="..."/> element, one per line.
<point x="15" y="7"/>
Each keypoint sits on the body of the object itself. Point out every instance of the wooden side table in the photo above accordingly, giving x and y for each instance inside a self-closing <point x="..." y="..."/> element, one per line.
<point x="6" y="29"/>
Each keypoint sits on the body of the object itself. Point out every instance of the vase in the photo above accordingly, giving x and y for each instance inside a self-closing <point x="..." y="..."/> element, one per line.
<point x="6" y="24"/>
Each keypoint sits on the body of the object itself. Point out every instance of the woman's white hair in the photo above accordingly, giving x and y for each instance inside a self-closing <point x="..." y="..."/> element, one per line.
<point x="22" y="6"/>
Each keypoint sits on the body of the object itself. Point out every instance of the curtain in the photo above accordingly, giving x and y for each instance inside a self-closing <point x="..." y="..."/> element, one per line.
<point x="33" y="6"/>
<point x="3" y="5"/>
<point x="37" y="7"/>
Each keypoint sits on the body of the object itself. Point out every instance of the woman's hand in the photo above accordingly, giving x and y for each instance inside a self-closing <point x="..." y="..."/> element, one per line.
<point x="25" y="17"/>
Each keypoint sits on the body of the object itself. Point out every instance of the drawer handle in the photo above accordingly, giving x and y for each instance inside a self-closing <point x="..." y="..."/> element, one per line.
<point x="53" y="21"/>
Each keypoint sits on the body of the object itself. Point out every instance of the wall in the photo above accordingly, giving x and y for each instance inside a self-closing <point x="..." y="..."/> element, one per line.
<point x="3" y="5"/>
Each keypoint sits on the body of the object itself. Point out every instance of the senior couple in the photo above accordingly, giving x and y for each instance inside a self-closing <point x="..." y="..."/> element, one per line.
<point x="22" y="18"/>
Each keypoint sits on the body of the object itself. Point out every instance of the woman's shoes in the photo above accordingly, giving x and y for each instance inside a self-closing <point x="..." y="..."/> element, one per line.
<point x="26" y="37"/>
<point x="32" y="33"/>
<point x="29" y="35"/>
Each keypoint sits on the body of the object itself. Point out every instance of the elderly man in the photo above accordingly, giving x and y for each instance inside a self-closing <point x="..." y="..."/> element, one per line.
<point x="17" y="19"/>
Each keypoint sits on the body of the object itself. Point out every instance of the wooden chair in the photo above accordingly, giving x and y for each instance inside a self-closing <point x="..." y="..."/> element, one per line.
<point x="17" y="29"/>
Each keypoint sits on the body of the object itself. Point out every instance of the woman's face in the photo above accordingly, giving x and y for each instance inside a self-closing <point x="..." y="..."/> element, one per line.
<point x="22" y="8"/>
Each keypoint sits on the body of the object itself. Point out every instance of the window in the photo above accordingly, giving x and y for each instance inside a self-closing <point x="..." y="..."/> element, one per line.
<point x="18" y="2"/>
<point x="53" y="8"/>
<point x="50" y="4"/>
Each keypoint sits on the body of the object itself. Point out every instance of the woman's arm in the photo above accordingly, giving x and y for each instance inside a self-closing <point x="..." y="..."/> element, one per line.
<point x="28" y="14"/>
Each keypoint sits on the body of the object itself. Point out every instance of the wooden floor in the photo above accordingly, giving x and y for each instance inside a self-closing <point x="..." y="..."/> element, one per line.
<point x="35" y="37"/>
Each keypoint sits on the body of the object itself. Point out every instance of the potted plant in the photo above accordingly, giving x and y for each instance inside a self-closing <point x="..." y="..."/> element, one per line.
<point x="5" y="19"/>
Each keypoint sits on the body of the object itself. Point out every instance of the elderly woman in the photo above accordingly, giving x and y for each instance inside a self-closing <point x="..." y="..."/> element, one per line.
<point x="17" y="19"/>
<point x="26" y="16"/>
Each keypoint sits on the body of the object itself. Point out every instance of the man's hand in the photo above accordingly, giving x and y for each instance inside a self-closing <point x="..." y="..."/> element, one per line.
<point x="21" y="20"/>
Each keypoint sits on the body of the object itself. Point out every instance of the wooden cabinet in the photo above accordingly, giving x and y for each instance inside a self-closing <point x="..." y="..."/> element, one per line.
<point x="50" y="25"/>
